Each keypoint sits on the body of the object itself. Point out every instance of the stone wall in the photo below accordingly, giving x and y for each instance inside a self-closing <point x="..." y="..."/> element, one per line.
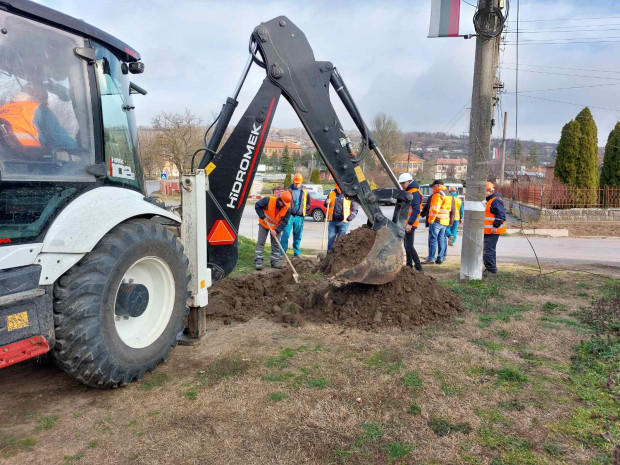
<point x="568" y="215"/>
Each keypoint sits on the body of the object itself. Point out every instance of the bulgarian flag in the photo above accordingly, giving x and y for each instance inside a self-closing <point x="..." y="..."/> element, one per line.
<point x="444" y="18"/>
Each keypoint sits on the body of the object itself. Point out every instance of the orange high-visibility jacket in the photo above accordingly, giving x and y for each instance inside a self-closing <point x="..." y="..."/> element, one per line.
<point x="346" y="206"/>
<point x="489" y="218"/>
<point x="440" y="207"/>
<point x="417" y="220"/>
<point x="273" y="218"/>
<point x="21" y="116"/>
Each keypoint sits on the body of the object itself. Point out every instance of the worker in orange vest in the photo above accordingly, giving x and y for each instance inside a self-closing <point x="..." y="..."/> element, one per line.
<point x="273" y="215"/>
<point x="440" y="216"/>
<point x="340" y="212"/>
<point x="494" y="226"/>
<point x="300" y="208"/>
<point x="32" y="122"/>
<point x="453" y="230"/>
<point x="413" y="219"/>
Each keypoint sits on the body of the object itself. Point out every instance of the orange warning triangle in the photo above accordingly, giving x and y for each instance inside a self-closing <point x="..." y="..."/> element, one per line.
<point x="221" y="234"/>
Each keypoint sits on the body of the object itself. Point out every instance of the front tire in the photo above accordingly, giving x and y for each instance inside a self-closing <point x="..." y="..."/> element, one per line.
<point x="106" y="334"/>
<point x="318" y="215"/>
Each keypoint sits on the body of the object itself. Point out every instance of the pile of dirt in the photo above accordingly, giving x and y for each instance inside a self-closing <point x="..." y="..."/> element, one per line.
<point x="411" y="299"/>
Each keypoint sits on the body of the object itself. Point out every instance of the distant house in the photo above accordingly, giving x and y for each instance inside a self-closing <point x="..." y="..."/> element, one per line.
<point x="277" y="148"/>
<point x="444" y="168"/>
<point x="416" y="164"/>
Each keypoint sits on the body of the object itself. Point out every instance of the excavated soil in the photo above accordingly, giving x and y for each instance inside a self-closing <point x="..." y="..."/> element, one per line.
<point x="411" y="299"/>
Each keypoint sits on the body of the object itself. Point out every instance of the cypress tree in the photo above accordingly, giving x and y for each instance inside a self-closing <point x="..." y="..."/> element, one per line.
<point x="286" y="162"/>
<point x="315" y="177"/>
<point x="567" y="152"/>
<point x="587" y="162"/>
<point x="610" y="174"/>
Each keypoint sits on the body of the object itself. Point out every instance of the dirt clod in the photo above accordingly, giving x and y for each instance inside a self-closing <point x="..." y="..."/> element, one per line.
<point x="409" y="300"/>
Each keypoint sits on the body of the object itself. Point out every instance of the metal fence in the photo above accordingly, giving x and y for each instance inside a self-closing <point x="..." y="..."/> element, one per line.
<point x="559" y="195"/>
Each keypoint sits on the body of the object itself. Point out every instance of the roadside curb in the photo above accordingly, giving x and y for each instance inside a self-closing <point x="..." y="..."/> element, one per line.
<point x="539" y="232"/>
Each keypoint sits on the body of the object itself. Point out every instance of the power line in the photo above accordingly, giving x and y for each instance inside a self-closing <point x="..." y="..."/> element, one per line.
<point x="542" y="42"/>
<point x="571" y="27"/>
<point x="567" y="74"/>
<point x="571" y="103"/>
<point x="550" y="31"/>
<point x="560" y="67"/>
<point x="569" y="38"/>
<point x="563" y="19"/>
<point x="564" y="88"/>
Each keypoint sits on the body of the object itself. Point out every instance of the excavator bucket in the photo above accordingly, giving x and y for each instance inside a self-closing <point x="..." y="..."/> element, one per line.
<point x="382" y="263"/>
<point x="387" y="255"/>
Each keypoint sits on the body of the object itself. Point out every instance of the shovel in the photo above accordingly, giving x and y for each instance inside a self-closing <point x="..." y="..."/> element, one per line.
<point x="323" y="251"/>
<point x="295" y="275"/>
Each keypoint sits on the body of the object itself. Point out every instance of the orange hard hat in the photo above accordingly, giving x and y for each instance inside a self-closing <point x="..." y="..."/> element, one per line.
<point x="286" y="197"/>
<point x="298" y="178"/>
<point x="490" y="185"/>
<point x="452" y="189"/>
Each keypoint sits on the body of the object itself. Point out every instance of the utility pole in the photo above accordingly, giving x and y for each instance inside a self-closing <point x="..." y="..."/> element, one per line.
<point x="482" y="100"/>
<point x="408" y="156"/>
<point x="501" y="175"/>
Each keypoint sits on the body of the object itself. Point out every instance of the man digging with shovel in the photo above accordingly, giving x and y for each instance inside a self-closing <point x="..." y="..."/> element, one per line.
<point x="273" y="215"/>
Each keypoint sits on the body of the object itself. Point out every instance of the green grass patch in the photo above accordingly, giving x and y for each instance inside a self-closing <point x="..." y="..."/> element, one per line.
<point x="505" y="314"/>
<point x="93" y="444"/>
<point x="278" y="396"/>
<point x="154" y="380"/>
<point x="388" y="361"/>
<point x="398" y="450"/>
<point x="448" y="389"/>
<point x="443" y="427"/>
<point x="491" y="436"/>
<point x="71" y="459"/>
<point x="553" y="307"/>
<point x="281" y="360"/>
<point x="512" y="405"/>
<point x="11" y="445"/>
<point x="475" y="295"/>
<point x="247" y="251"/>
<point x="415" y="409"/>
<point x="371" y="432"/>
<point x="491" y="346"/>
<point x="511" y="375"/>
<point x="318" y="383"/>
<point x="412" y="381"/>
<point x="44" y="423"/>
<point x="222" y="369"/>
<point x="191" y="395"/>
<point x="502" y="334"/>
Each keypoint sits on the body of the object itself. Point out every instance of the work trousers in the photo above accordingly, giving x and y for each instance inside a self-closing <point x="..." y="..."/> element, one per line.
<point x="296" y="224"/>
<point x="334" y="230"/>
<point x="412" y="255"/>
<point x="488" y="255"/>
<point x="260" y="245"/>
<point x="452" y="231"/>
<point x="437" y="241"/>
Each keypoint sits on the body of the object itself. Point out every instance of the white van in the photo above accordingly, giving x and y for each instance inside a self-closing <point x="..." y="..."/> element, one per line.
<point x="318" y="188"/>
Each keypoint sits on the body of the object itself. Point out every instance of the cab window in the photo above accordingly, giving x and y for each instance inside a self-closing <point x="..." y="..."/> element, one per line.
<point x="46" y="131"/>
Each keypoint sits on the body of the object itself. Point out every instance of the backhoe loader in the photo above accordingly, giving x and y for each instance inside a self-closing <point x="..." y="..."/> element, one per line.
<point x="90" y="268"/>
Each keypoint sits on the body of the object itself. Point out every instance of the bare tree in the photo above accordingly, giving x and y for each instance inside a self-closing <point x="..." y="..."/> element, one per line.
<point x="177" y="136"/>
<point x="150" y="157"/>
<point x="451" y="172"/>
<point x="386" y="131"/>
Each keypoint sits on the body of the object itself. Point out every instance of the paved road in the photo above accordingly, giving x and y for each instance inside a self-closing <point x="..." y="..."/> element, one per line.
<point x="566" y="250"/>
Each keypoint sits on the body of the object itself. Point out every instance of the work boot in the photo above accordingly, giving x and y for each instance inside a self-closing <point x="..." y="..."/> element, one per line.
<point x="419" y="269"/>
<point x="438" y="262"/>
<point x="428" y="262"/>
<point x="258" y="266"/>
<point x="488" y="274"/>
<point x="277" y="265"/>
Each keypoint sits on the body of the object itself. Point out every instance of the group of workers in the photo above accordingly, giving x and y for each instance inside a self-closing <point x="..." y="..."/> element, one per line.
<point x="280" y="215"/>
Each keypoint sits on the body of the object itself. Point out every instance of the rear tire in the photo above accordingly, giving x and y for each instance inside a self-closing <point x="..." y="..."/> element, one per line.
<point x="93" y="343"/>
<point x="318" y="215"/>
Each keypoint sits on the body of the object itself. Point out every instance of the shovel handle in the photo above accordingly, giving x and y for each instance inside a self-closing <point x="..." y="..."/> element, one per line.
<point x="275" y="236"/>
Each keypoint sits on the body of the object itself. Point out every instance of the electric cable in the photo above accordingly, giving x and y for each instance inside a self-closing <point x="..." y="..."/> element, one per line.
<point x="487" y="13"/>
<point x="564" y="19"/>
<point x="204" y="149"/>
<point x="573" y="69"/>
<point x="567" y="74"/>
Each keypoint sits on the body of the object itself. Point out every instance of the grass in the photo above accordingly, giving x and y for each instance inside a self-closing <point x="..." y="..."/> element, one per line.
<point x="153" y="381"/>
<point x="222" y="369"/>
<point x="278" y="396"/>
<point x="44" y="423"/>
<point x="190" y="395"/>
<point x="388" y="361"/>
<point x="443" y="427"/>
<point x="412" y="381"/>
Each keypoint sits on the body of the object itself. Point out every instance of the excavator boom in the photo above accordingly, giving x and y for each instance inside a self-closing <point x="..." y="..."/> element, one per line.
<point x="282" y="50"/>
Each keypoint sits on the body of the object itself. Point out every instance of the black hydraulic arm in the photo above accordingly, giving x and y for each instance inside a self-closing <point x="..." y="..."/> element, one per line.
<point x="292" y="71"/>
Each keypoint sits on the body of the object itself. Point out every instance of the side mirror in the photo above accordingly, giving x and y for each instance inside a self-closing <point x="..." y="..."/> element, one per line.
<point x="136" y="67"/>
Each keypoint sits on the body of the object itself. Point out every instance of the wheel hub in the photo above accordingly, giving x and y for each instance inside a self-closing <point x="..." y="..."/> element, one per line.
<point x="131" y="300"/>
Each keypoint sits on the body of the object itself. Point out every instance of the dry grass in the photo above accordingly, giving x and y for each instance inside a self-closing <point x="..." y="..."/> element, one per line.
<point x="484" y="391"/>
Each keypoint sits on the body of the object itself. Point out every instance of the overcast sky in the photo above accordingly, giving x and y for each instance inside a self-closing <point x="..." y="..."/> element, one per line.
<point x="194" y="52"/>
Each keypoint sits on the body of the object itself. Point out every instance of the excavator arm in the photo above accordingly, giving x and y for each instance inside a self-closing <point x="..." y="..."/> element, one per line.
<point x="282" y="50"/>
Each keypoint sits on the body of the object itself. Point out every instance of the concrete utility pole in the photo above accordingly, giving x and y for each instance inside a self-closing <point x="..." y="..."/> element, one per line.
<point x="501" y="174"/>
<point x="482" y="101"/>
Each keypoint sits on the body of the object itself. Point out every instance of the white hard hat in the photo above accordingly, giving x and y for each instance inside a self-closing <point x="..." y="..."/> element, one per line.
<point x="405" y="177"/>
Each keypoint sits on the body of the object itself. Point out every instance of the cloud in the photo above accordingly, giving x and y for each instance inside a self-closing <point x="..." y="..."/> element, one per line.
<point x="194" y="52"/>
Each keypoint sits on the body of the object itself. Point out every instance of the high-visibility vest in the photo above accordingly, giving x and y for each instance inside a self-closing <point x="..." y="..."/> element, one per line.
<point x="304" y="196"/>
<point x="21" y="116"/>
<point x="346" y="206"/>
<point x="417" y="220"/>
<point x="457" y="208"/>
<point x="273" y="218"/>
<point x="440" y="207"/>
<point x="489" y="218"/>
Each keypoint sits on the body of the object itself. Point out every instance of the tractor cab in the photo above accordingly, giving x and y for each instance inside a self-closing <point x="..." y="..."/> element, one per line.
<point x="67" y="120"/>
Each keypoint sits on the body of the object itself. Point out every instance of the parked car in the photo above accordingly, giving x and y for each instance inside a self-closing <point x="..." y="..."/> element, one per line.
<point x="317" y="206"/>
<point x="314" y="188"/>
